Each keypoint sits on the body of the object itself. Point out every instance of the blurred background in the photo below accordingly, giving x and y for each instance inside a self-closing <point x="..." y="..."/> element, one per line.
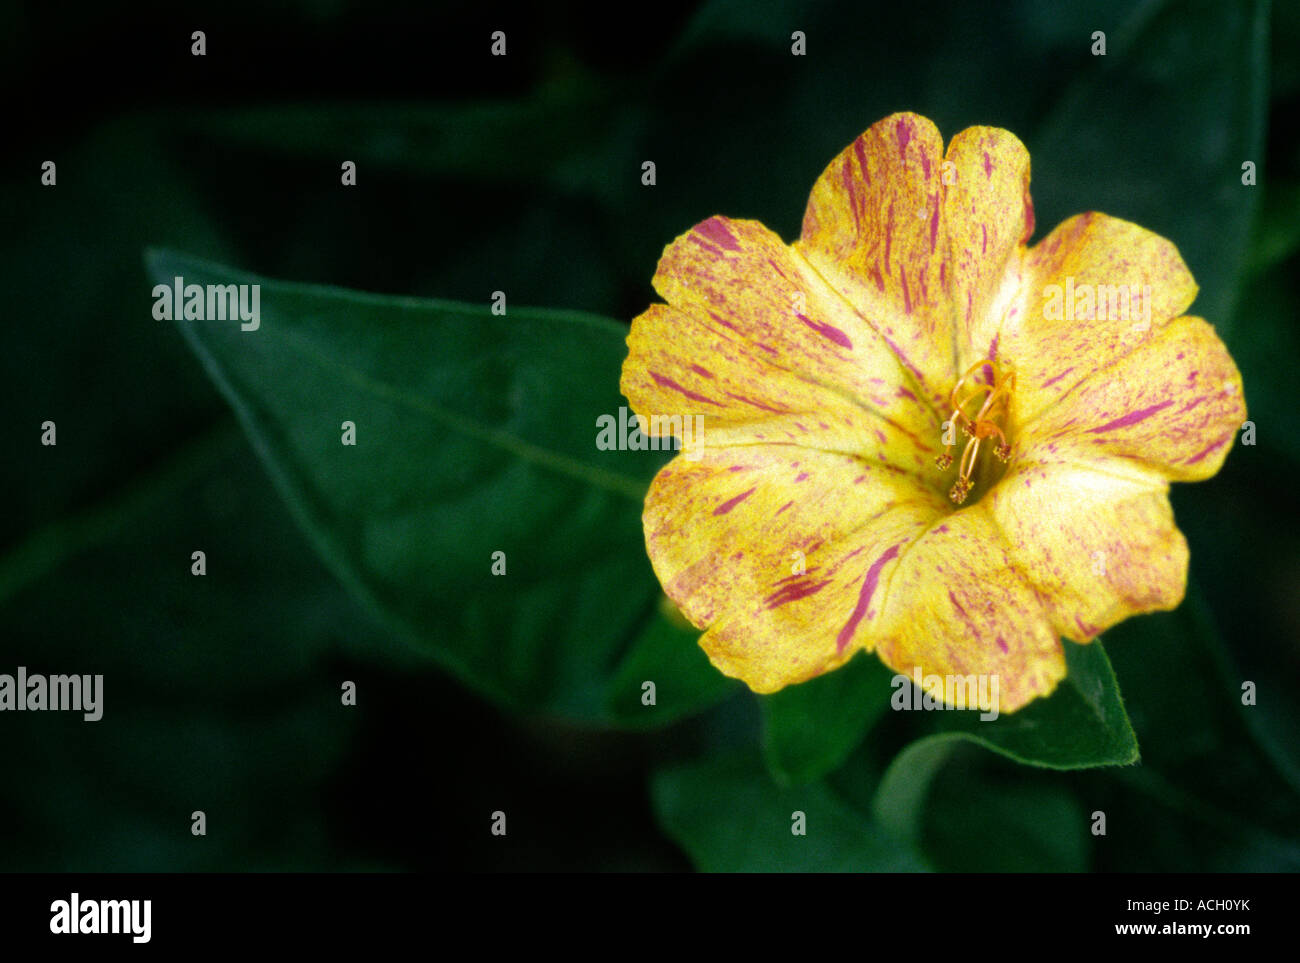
<point x="523" y="173"/>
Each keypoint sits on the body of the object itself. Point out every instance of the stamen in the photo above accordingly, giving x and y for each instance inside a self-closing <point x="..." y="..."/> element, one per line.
<point x="977" y="429"/>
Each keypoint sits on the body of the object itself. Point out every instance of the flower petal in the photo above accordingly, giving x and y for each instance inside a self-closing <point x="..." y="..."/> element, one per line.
<point x="872" y="230"/>
<point x="987" y="216"/>
<point x="1114" y="285"/>
<point x="728" y="533"/>
<point x="1097" y="547"/>
<point x="755" y="342"/>
<point x="1170" y="407"/>
<point x="957" y="605"/>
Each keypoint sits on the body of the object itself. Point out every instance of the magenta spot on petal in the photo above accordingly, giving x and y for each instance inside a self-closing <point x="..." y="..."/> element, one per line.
<point x="880" y="435"/>
<point x="904" y="393"/>
<point x="988" y="165"/>
<point x="904" y="130"/>
<point x="993" y="348"/>
<point x="984" y="243"/>
<point x="1132" y="418"/>
<point x="965" y="617"/>
<point x="725" y="323"/>
<point x="777" y="268"/>
<point x="716" y="231"/>
<point x="731" y="503"/>
<point x="860" y="479"/>
<point x="941" y="529"/>
<point x="861" y="151"/>
<point x="1002" y="644"/>
<point x="889" y="233"/>
<point x="797" y="590"/>
<point x="670" y="383"/>
<point x="802" y="476"/>
<point x="701" y="371"/>
<point x="827" y="331"/>
<point x="737" y="468"/>
<point x="756" y="404"/>
<point x="1214" y="447"/>
<point x="925" y="165"/>
<point x="864" y="597"/>
<point x="783" y="507"/>
<point x="1051" y="381"/>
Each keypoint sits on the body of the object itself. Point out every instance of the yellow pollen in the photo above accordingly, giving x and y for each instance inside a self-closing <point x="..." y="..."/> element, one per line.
<point x="980" y="427"/>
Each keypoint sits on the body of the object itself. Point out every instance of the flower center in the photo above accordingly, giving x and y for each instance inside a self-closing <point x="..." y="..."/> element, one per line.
<point x="990" y="403"/>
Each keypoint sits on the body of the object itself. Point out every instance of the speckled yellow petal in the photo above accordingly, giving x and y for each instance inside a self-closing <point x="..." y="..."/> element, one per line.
<point x="987" y="216"/>
<point x="1171" y="407"/>
<point x="872" y="229"/>
<point x="1091" y="291"/>
<point x="758" y="346"/>
<point x="1096" y="546"/>
<point x="778" y="551"/>
<point x="957" y="605"/>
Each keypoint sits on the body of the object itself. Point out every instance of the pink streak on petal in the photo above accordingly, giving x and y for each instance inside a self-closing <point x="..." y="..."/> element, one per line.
<point x="860" y="149"/>
<point x="1132" y="418"/>
<point x="716" y="231"/>
<point x="904" y="130"/>
<point x="791" y="593"/>
<point x="864" y="597"/>
<point x="827" y="331"/>
<point x="1051" y="381"/>
<point x="1214" y="447"/>
<point x="666" y="382"/>
<point x="731" y="503"/>
<point x="756" y="404"/>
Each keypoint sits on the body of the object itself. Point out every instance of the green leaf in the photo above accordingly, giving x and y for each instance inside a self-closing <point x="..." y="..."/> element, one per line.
<point x="668" y="654"/>
<point x="994" y="822"/>
<point x="475" y="434"/>
<point x="900" y="798"/>
<point x="730" y="817"/>
<point x="1081" y="725"/>
<point x="1156" y="132"/>
<point x="967" y="819"/>
<point x="810" y="729"/>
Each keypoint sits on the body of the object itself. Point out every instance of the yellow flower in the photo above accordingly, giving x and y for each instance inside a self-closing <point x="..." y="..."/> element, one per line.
<point x="918" y="436"/>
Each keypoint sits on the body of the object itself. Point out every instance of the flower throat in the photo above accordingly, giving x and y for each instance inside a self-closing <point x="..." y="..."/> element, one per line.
<point x="993" y="401"/>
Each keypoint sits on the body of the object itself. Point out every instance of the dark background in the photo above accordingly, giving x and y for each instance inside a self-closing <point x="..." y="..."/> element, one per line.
<point x="479" y="173"/>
